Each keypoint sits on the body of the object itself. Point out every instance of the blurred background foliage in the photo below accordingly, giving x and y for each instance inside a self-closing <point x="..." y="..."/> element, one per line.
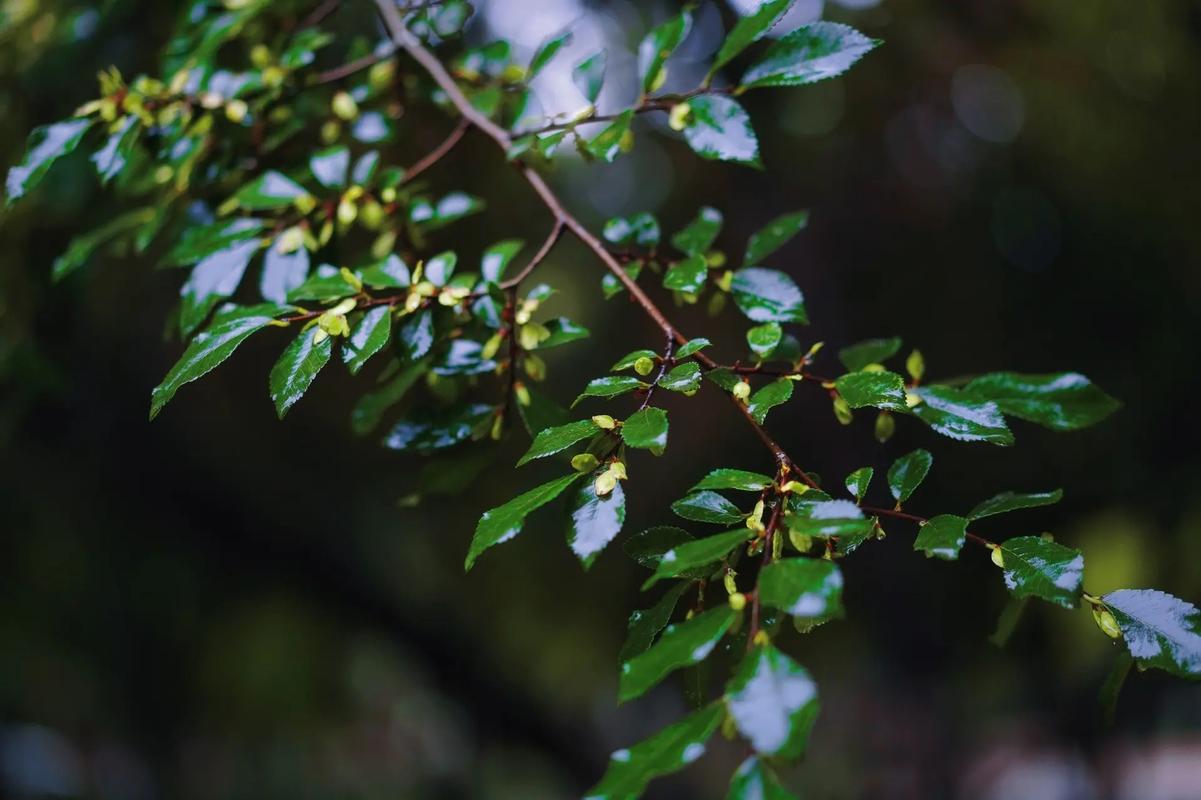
<point x="219" y="605"/>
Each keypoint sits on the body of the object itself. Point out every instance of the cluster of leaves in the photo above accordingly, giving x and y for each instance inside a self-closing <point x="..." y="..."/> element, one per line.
<point x="213" y="164"/>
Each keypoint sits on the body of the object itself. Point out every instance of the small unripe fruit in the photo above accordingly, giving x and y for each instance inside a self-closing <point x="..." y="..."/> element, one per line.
<point x="737" y="601"/>
<point x="842" y="411"/>
<point x="344" y="106"/>
<point x="604" y="421"/>
<point x="1106" y="622"/>
<point x="998" y="557"/>
<point x="644" y="365"/>
<point x="236" y="110"/>
<point x="584" y="462"/>
<point x="915" y="365"/>
<point x="677" y="120"/>
<point x="606" y="482"/>
<point x="741" y="391"/>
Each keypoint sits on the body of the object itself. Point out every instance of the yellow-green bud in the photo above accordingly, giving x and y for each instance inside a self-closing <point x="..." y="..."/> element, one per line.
<point x="737" y="601"/>
<point x="371" y="214"/>
<point x="353" y="280"/>
<point x="535" y="367"/>
<point x="584" y="462"/>
<point x="344" y="106"/>
<point x="644" y="365"/>
<point x="715" y="259"/>
<point x="330" y="130"/>
<point x="801" y="541"/>
<point x="388" y="195"/>
<point x="491" y="346"/>
<point x="260" y="55"/>
<point x="290" y="240"/>
<point x="741" y="391"/>
<point x="913" y="399"/>
<point x="604" y="421"/>
<point x="236" y="110"/>
<point x="755" y="520"/>
<point x="606" y="482"/>
<point x="998" y="557"/>
<point x="412" y="302"/>
<point x="274" y="75"/>
<point x="513" y="73"/>
<point x="618" y="468"/>
<point x="915" y="365"/>
<point x="885" y="426"/>
<point x="677" y="120"/>
<point x="777" y="546"/>
<point x="842" y="411"/>
<point x="725" y="281"/>
<point x="305" y="203"/>
<point x="761" y="639"/>
<point x="1106" y="622"/>
<point x="498" y="427"/>
<point x="347" y="211"/>
<point x="532" y="334"/>
<point x="873" y="367"/>
<point x="660" y="79"/>
<point x="728" y="580"/>
<point x="627" y="141"/>
<point x="523" y="394"/>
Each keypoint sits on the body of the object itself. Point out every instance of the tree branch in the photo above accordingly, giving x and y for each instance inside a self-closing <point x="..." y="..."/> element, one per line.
<point x="538" y="258"/>
<point x="438" y="152"/>
<point x="406" y="40"/>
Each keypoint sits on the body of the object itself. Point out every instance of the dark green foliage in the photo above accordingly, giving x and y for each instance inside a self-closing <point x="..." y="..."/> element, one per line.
<point x="215" y="168"/>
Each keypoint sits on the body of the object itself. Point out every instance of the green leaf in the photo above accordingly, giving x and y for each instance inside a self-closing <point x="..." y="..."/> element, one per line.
<point x="1012" y="501"/>
<point x="212" y="346"/>
<point x="370" y="408"/>
<point x="688" y="275"/>
<point x="768" y="295"/>
<point x="647" y="429"/>
<point x="750" y="29"/>
<point x="542" y="412"/>
<point x="696" y="558"/>
<point x="504" y="522"/>
<point x="496" y="259"/>
<point x="877" y="389"/>
<point x="595" y="521"/>
<point x="367" y="338"/>
<point x="772" y="236"/>
<point x="738" y="479"/>
<point x="82" y="247"/>
<point x="942" y="536"/>
<point x="692" y="346"/>
<point x="200" y="241"/>
<point x="46" y="145"/>
<point x="270" y="191"/>
<point x="809" y="54"/>
<point x="440" y="268"/>
<point x="649" y="546"/>
<point x="773" y="394"/>
<point x="719" y="129"/>
<point x="556" y="440"/>
<point x="908" y="472"/>
<point x="610" y="386"/>
<point x="549" y="49"/>
<point x="805" y="588"/>
<point x="114" y="155"/>
<point x="1065" y="401"/>
<point x="1038" y="567"/>
<point x="670" y="750"/>
<point x="589" y="76"/>
<point x="858" y="481"/>
<point x="416" y="336"/>
<point x="829" y="518"/>
<point x="699" y="234"/>
<point x="450" y="208"/>
<point x="282" y="272"/>
<point x="683" y="378"/>
<point x="961" y="415"/>
<point x="640" y="229"/>
<point x="681" y="645"/>
<point x="773" y="701"/>
<point x="627" y="361"/>
<point x="658" y="45"/>
<point x="754" y="781"/>
<point x="296" y="368"/>
<point x="216" y="277"/>
<point x="388" y="273"/>
<point x="326" y="283"/>
<point x="706" y="506"/>
<point x="330" y="167"/>
<point x="869" y="351"/>
<point x="606" y="145"/>
<point x="427" y="431"/>
<point x="644" y="626"/>
<point x="562" y="331"/>
<point x="1160" y="630"/>
<point x="763" y="339"/>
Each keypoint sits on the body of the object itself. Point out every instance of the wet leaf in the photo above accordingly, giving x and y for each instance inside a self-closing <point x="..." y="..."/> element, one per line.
<point x="749" y="29"/>
<point x="670" y="750"/>
<point x="644" y="626"/>
<point x="961" y="415"/>
<point x="647" y="429"/>
<point x="943" y="537"/>
<point x="681" y="645"/>
<point x="368" y="338"/>
<point x="270" y="191"/>
<point x="46" y="145"/>
<point x="1160" y="630"/>
<point x="738" y="479"/>
<point x="809" y="54"/>
<point x="869" y="351"/>
<point x="687" y="275"/>
<point x="297" y="367"/>
<point x="1013" y="501"/>
<point x="706" y="506"/>
<point x="773" y="701"/>
<point x="907" y="473"/>
<point x="557" y="439"/>
<point x="1065" y="401"/>
<point x="658" y="45"/>
<point x="698" y="235"/>
<point x="807" y="588"/>
<point x="858" y="481"/>
<point x="773" y="394"/>
<point x="696" y="557"/>
<point x="768" y="295"/>
<point x="504" y="522"/>
<point x="772" y="236"/>
<point x="754" y="781"/>
<point x="876" y="389"/>
<point x="1038" y="567"/>
<point x="719" y="129"/>
<point x="595" y="521"/>
<point x="589" y="76"/>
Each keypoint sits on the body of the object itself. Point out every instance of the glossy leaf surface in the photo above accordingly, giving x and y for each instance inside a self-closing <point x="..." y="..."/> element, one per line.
<point x="809" y="54"/>
<point x="681" y="645"/>
<point x="768" y="295"/>
<point x="557" y="439"/>
<point x="297" y="367"/>
<point x="719" y="129"/>
<point x="1160" y="630"/>
<point x="706" y="506"/>
<point x="504" y="522"/>
<point x="908" y="472"/>
<point x="1038" y="567"/>
<point x="1013" y="501"/>
<point x="670" y="750"/>
<point x="942" y="537"/>
<point x="1062" y="402"/>
<point x="595" y="521"/>
<point x="646" y="429"/>
<point x="807" y="588"/>
<point x="773" y="701"/>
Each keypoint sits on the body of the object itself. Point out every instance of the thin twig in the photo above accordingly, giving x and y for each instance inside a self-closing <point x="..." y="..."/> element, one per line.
<point x="438" y="152"/>
<point x="894" y="512"/>
<point x="351" y="67"/>
<point x="668" y="359"/>
<point x="538" y="258"/>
